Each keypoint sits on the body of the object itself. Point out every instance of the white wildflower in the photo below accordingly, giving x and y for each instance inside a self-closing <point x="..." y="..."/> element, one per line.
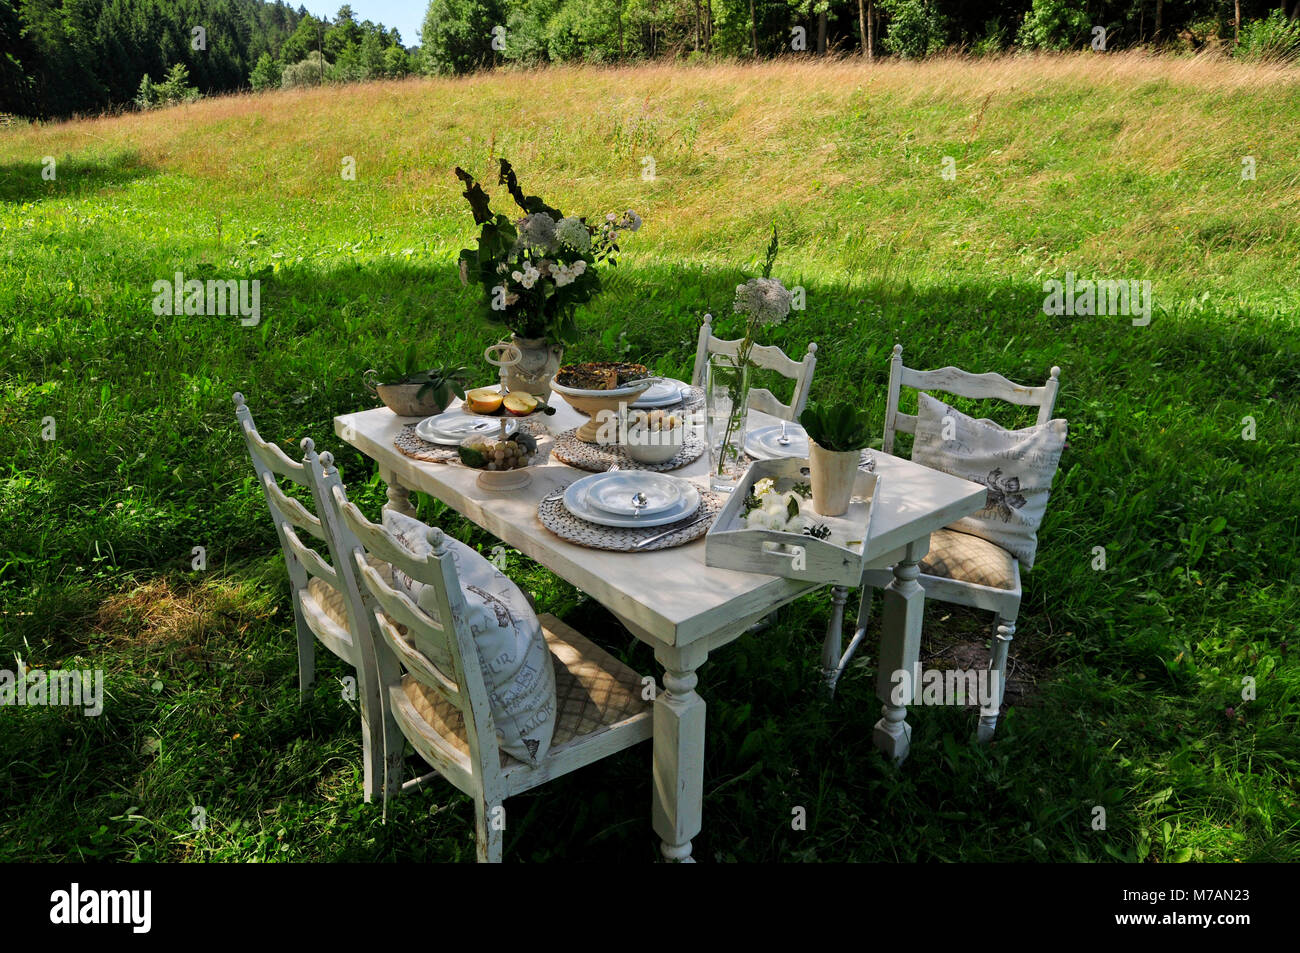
<point x="572" y="233"/>
<point x="528" y="277"/>
<point x="537" y="231"/>
<point x="765" y="299"/>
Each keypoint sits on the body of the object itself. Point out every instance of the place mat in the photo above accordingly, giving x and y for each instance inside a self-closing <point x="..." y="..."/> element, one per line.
<point x="556" y="517"/>
<point x="597" y="458"/>
<point x="417" y="448"/>
<point x="410" y="444"/>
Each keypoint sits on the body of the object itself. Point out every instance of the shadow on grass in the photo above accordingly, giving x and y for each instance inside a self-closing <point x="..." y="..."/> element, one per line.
<point x="72" y="176"/>
<point x="1144" y="406"/>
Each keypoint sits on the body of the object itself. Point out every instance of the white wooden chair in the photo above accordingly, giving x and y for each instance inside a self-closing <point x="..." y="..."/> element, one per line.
<point x="432" y="690"/>
<point x="320" y="606"/>
<point x="959" y="568"/>
<point x="772" y="358"/>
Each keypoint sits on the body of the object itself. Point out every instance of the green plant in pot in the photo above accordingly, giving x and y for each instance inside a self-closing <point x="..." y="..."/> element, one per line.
<point x="412" y="391"/>
<point x="837" y="435"/>
<point x="534" y="272"/>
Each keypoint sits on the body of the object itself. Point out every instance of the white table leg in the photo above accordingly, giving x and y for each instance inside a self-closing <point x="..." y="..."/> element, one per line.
<point x="678" y="769"/>
<point x="900" y="650"/>
<point x="399" y="497"/>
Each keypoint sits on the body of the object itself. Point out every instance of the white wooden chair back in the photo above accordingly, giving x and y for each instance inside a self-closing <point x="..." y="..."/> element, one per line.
<point x="953" y="380"/>
<point x="766" y="356"/>
<point x="440" y="655"/>
<point x="288" y="515"/>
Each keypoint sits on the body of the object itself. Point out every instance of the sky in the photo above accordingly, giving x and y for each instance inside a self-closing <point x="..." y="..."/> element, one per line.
<point x="406" y="15"/>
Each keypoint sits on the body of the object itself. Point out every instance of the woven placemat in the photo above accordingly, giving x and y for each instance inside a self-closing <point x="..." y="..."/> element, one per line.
<point x="417" y="448"/>
<point x="556" y="517"/>
<point x="597" y="458"/>
<point x="410" y="444"/>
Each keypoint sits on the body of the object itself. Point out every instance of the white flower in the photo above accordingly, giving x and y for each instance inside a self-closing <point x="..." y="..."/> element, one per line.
<point x="562" y="275"/>
<point x="537" y="231"/>
<point x="797" y="524"/>
<point x="611" y="218"/>
<point x="528" y="277"/>
<point x="764" y="486"/>
<point x="578" y="267"/>
<point x="765" y="299"/>
<point x="572" y="233"/>
<point x="631" y="221"/>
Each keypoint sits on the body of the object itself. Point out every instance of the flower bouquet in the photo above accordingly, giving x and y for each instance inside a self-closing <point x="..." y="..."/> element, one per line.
<point x="535" y="270"/>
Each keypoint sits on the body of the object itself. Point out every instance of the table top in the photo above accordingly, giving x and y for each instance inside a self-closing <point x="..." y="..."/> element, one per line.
<point x="670" y="594"/>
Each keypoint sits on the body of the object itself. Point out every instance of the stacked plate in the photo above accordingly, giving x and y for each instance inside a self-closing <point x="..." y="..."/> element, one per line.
<point x="662" y="393"/>
<point x="764" y="443"/>
<point x="631" y="498"/>
<point x="453" y="426"/>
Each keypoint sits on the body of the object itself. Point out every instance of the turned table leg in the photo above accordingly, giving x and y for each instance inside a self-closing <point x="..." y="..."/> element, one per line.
<point x="900" y="651"/>
<point x="832" y="643"/>
<point x="678" y="769"/>
<point x="399" y="497"/>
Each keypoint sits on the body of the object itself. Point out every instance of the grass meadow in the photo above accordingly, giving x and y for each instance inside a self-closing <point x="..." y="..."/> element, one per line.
<point x="1107" y="166"/>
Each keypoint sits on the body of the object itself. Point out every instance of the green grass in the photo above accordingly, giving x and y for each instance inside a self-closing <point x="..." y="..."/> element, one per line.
<point x="1111" y="167"/>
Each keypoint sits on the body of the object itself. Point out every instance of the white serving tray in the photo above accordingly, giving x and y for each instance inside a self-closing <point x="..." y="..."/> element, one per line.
<point x="839" y="561"/>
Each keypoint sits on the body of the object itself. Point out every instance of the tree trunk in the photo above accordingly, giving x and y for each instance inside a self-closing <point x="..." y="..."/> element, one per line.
<point x="697" y="24"/>
<point x="821" y="33"/>
<point x="753" y="27"/>
<point x="619" y="10"/>
<point x="708" y="26"/>
<point x="1160" y="16"/>
<point x="862" y="26"/>
<point x="1236" y="22"/>
<point x="871" y="29"/>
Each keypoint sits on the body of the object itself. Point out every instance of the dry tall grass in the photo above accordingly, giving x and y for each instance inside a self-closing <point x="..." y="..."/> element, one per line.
<point x="1126" y="161"/>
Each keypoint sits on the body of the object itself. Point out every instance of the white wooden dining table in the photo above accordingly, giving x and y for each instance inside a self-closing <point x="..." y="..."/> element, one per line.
<point x="672" y="601"/>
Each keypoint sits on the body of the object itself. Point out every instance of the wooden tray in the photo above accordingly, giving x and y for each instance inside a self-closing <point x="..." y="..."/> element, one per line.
<point x="838" y="561"/>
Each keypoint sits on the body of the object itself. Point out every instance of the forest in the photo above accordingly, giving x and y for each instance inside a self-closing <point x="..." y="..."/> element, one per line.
<point x="61" y="57"/>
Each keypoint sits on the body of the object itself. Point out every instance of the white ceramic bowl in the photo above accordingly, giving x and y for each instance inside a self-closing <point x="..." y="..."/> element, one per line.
<point x="653" y="446"/>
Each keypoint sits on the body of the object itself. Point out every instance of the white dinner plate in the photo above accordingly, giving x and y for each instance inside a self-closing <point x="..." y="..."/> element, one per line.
<point x="761" y="443"/>
<point x="576" y="502"/>
<point x="452" y="426"/>
<point x="614" y="495"/>
<point x="663" y="393"/>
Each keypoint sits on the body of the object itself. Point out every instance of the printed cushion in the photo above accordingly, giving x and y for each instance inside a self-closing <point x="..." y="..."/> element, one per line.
<point x="594" y="690"/>
<point x="512" y="653"/>
<point x="968" y="558"/>
<point x="1017" y="467"/>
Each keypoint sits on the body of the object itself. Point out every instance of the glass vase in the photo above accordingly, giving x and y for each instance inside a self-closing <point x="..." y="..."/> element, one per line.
<point x="726" y="401"/>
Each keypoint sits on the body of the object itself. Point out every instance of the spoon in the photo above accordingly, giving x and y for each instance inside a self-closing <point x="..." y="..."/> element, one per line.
<point x="639" y="502"/>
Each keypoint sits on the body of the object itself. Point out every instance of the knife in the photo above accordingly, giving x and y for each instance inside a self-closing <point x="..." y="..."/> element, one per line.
<point x="675" y="529"/>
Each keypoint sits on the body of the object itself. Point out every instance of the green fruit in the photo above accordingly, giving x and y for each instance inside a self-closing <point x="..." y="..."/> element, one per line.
<point x="472" y="455"/>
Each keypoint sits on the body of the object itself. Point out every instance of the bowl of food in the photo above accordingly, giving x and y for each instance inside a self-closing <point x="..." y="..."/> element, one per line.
<point x="501" y="462"/>
<point x="653" y="437"/>
<point x="597" y="387"/>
